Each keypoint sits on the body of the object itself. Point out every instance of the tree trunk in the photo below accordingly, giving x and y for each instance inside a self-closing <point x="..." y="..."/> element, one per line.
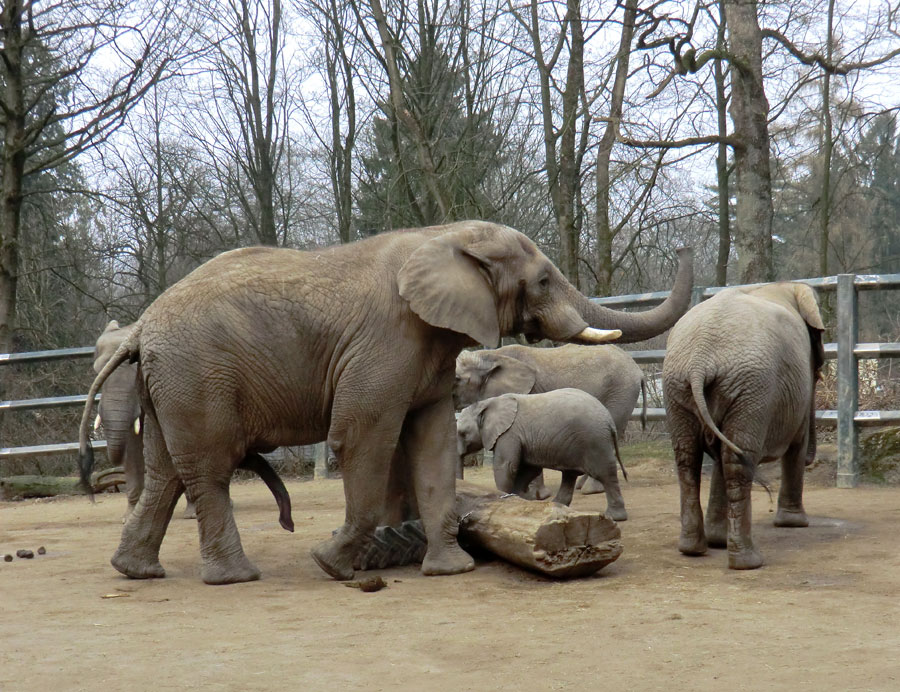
<point x="722" y="159"/>
<point x="544" y="537"/>
<point x="604" y="230"/>
<point x="827" y="149"/>
<point x="13" y="166"/>
<point x="749" y="113"/>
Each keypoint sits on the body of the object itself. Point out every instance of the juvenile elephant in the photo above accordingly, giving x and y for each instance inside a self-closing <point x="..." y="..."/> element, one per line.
<point x="356" y="343"/>
<point x="739" y="383"/>
<point x="607" y="373"/>
<point x="565" y="429"/>
<point x="120" y="413"/>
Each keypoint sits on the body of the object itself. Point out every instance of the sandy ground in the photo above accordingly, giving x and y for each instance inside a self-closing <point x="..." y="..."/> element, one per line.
<point x="822" y="614"/>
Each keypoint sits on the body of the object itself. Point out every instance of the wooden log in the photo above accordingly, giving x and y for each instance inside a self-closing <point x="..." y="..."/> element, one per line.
<point x="16" y="487"/>
<point x="13" y="487"/>
<point x="545" y="537"/>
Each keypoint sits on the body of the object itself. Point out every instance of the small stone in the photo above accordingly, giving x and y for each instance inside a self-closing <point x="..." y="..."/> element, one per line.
<point x="7" y="558"/>
<point x="42" y="550"/>
<point x="368" y="585"/>
<point x="27" y="554"/>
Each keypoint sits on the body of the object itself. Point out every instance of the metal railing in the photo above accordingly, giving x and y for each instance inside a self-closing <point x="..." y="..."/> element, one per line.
<point x="847" y="351"/>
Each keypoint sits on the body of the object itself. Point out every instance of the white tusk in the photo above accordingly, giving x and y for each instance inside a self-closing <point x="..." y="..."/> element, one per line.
<point x="137" y="426"/>
<point x="97" y="422"/>
<point x="598" y="336"/>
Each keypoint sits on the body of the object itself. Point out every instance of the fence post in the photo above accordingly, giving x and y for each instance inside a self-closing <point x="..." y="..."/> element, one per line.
<point x="847" y="383"/>
<point x="321" y="467"/>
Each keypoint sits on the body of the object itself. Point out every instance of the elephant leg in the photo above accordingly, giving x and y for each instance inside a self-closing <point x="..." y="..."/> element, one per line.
<point x="133" y="465"/>
<point x="206" y="483"/>
<point x="524" y="479"/>
<point x="590" y="485"/>
<point x="566" y="487"/>
<point x="738" y="480"/>
<point x="717" y="509"/>
<point x="615" y="503"/>
<point x="685" y="432"/>
<point x="142" y="535"/>
<point x="790" y="496"/>
<point x="364" y="443"/>
<point x="430" y="441"/>
<point x="190" y="511"/>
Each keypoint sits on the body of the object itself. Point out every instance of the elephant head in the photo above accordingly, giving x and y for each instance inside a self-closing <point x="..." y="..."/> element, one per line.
<point x="487" y="374"/>
<point x="481" y="425"/>
<point x="487" y="281"/>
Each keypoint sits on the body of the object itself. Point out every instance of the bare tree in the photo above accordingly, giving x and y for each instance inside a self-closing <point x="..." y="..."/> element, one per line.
<point x="246" y="105"/>
<point x="56" y="103"/>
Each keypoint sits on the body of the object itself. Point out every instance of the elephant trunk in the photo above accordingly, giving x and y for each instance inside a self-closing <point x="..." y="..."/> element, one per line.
<point x="639" y="326"/>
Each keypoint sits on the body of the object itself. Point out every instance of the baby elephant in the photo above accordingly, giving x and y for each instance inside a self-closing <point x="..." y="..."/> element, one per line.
<point x="564" y="429"/>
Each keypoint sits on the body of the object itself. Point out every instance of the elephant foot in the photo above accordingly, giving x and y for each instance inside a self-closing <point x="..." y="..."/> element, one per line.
<point x="744" y="559"/>
<point x="791" y="518"/>
<point x="692" y="544"/>
<point x="592" y="487"/>
<point x="190" y="512"/>
<point x="333" y="559"/>
<point x="717" y="536"/>
<point x="535" y="491"/>
<point x="233" y="571"/>
<point x="449" y="559"/>
<point x="617" y="514"/>
<point x="137" y="568"/>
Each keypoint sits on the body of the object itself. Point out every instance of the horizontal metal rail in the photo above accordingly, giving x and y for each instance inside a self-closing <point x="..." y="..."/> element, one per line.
<point x="827" y="417"/>
<point x="48" y="402"/>
<point x="7" y="453"/>
<point x="42" y="356"/>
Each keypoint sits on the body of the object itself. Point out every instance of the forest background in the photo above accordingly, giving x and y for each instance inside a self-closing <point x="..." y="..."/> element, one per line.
<point x="142" y="137"/>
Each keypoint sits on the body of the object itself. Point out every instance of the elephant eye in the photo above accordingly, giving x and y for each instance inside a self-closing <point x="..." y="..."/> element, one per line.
<point x="544" y="282"/>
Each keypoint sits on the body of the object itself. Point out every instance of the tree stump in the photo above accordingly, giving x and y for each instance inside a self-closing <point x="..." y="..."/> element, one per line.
<point x="545" y="537"/>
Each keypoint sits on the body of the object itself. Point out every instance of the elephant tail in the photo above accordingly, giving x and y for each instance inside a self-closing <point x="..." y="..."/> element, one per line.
<point x="643" y="404"/>
<point x="129" y="348"/>
<point x="697" y="385"/>
<point x="615" y="437"/>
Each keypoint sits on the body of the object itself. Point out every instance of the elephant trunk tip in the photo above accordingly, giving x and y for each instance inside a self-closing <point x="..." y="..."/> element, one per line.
<point x="86" y="467"/>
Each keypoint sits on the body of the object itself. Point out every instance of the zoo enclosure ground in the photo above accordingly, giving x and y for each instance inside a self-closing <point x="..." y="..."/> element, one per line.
<point x="822" y="614"/>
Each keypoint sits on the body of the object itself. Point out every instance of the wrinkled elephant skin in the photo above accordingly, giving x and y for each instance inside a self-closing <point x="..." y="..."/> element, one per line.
<point x="356" y="344"/>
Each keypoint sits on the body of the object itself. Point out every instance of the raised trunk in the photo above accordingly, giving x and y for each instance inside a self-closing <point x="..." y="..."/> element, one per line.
<point x="637" y="326"/>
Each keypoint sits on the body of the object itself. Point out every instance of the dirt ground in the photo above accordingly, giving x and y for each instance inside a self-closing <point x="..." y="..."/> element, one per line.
<point x="822" y="614"/>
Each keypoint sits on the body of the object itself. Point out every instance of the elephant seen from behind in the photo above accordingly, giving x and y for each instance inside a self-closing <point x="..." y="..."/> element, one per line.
<point x="564" y="429"/>
<point x="739" y="382"/>
<point x="121" y="415"/>
<point x="356" y="344"/>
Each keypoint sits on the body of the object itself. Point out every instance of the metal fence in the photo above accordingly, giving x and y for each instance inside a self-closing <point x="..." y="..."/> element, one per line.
<point x="846" y="350"/>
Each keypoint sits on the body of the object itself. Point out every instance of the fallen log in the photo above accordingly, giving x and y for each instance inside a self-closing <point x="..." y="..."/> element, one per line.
<point x="545" y="537"/>
<point x="16" y="487"/>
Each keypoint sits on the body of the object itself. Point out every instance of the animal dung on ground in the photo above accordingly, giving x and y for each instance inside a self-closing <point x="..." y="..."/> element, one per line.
<point x="368" y="585"/>
<point x="27" y="554"/>
<point x="41" y="551"/>
<point x="7" y="558"/>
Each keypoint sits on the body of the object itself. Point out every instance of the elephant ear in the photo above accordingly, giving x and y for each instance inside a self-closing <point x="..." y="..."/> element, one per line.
<point x="107" y="343"/>
<point x="498" y="415"/>
<point x="447" y="283"/>
<point x="508" y="376"/>
<point x="808" y="307"/>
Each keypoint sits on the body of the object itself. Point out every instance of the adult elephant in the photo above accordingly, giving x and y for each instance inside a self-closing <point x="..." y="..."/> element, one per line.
<point x="607" y="373"/>
<point x="121" y="415"/>
<point x="357" y="343"/>
<point x="739" y="382"/>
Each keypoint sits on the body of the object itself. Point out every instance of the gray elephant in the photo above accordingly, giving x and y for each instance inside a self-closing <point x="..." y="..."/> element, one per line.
<point x="607" y="373"/>
<point x="121" y="416"/>
<point x="564" y="429"/>
<point x="739" y="383"/>
<point x="356" y="344"/>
